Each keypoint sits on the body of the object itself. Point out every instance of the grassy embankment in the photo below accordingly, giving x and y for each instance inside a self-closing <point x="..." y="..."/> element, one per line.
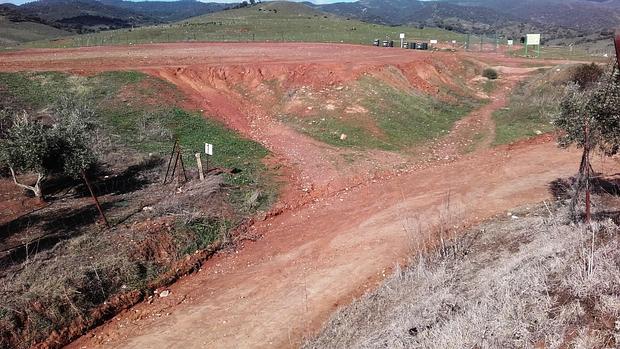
<point x="69" y="265"/>
<point x="394" y="119"/>
<point x="532" y="105"/>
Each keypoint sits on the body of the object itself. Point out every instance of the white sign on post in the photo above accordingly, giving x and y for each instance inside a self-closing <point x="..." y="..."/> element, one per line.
<point x="402" y="35"/>
<point x="511" y="42"/>
<point x="209" y="149"/>
<point x="532" y="39"/>
<point x="434" y="42"/>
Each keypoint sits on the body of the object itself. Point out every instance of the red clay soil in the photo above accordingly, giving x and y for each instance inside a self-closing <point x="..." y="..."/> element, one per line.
<point x="317" y="256"/>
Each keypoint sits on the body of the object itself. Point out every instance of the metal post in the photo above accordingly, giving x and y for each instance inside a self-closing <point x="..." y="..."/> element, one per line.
<point x="587" y="169"/>
<point x="174" y="168"/>
<point x="92" y="193"/>
<point x="174" y="147"/>
<point x="182" y="165"/>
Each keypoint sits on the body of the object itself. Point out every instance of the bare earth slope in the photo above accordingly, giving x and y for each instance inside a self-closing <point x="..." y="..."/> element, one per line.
<point x="337" y="243"/>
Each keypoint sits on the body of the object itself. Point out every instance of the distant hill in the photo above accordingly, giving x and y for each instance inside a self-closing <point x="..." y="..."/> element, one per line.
<point x="268" y="22"/>
<point x="168" y="11"/>
<point x="16" y="27"/>
<point x="94" y="15"/>
<point x="85" y="14"/>
<point x="555" y="18"/>
<point x="583" y="15"/>
<point x="448" y="15"/>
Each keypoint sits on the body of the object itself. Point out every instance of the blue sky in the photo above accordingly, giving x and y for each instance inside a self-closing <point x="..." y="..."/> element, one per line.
<point x="228" y="1"/>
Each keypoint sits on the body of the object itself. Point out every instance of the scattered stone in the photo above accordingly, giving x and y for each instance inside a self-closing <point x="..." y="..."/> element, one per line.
<point x="147" y="208"/>
<point x="164" y="293"/>
<point x="343" y="137"/>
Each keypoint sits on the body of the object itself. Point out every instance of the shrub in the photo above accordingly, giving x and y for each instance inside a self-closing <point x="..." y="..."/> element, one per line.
<point x="586" y="75"/>
<point x="599" y="108"/>
<point x="63" y="147"/>
<point x="490" y="74"/>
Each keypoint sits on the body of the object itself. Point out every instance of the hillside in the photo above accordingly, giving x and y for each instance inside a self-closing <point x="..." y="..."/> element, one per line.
<point x="274" y="21"/>
<point x="16" y="28"/>
<point x="557" y="19"/>
<point x="85" y="14"/>
<point x="592" y="15"/>
<point x="95" y="15"/>
<point x="168" y="11"/>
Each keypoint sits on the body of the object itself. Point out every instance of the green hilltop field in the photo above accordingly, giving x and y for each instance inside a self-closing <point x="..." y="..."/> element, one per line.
<point x="271" y="22"/>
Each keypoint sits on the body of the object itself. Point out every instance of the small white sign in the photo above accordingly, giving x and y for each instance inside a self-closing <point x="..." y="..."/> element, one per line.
<point x="511" y="42"/>
<point x="402" y="35"/>
<point x="209" y="149"/>
<point x="433" y="42"/>
<point x="532" y="39"/>
<point x="453" y="41"/>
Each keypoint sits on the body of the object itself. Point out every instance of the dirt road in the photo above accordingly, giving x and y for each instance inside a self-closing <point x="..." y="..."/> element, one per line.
<point x="271" y="292"/>
<point x="311" y="259"/>
<point x="192" y="54"/>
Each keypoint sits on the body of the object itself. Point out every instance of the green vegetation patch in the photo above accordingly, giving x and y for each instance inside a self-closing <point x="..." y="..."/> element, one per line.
<point x="395" y="119"/>
<point x="531" y="107"/>
<point x="149" y="127"/>
<point x="152" y="228"/>
<point x="278" y="21"/>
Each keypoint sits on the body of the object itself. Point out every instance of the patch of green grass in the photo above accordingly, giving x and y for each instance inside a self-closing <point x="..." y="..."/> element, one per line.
<point x="531" y="107"/>
<point x="151" y="128"/>
<point x="278" y="21"/>
<point x="35" y="89"/>
<point x="489" y="86"/>
<point x="200" y="234"/>
<point x="514" y="125"/>
<point x="560" y="52"/>
<point x="397" y="118"/>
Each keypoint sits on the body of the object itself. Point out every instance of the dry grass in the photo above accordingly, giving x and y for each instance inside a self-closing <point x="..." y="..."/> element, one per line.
<point x="152" y="228"/>
<point x="515" y="283"/>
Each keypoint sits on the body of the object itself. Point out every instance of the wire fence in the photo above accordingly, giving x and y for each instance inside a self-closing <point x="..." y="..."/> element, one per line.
<point x="69" y="210"/>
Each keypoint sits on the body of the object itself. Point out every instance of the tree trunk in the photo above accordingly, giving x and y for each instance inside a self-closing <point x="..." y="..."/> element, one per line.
<point x="36" y="188"/>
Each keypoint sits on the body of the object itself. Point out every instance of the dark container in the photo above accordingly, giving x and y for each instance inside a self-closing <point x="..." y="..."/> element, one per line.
<point x="412" y="45"/>
<point x="391" y="43"/>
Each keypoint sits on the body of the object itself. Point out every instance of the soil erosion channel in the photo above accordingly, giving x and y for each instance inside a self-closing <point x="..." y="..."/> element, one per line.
<point x="344" y="237"/>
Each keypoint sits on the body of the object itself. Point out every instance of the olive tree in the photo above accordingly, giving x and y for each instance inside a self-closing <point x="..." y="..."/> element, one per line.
<point x="59" y="147"/>
<point x="598" y="108"/>
<point x="27" y="148"/>
<point x="590" y="119"/>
